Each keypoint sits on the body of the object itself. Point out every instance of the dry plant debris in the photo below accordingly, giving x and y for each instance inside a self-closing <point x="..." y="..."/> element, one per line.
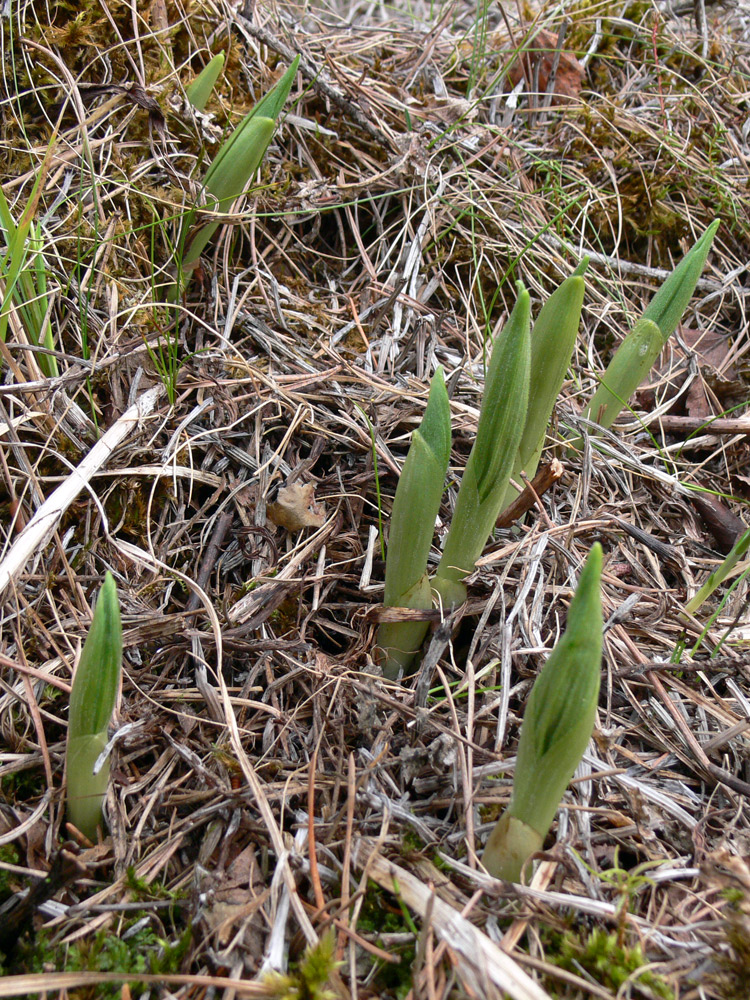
<point x="269" y="789"/>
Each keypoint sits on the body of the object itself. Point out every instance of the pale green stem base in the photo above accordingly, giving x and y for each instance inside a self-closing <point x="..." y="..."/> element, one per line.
<point x="86" y="791"/>
<point x="509" y="847"/>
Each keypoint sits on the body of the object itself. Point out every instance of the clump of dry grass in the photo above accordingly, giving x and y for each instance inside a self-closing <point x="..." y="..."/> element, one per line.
<point x="265" y="781"/>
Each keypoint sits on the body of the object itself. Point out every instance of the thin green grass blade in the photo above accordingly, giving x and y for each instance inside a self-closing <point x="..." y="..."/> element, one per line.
<point x="720" y="574"/>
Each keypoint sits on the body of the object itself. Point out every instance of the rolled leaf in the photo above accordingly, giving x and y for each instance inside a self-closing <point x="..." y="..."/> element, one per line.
<point x="639" y="350"/>
<point x="200" y="90"/>
<point x="399" y="642"/>
<point x="673" y="298"/>
<point x="92" y="701"/>
<point x="632" y="362"/>
<point x="557" y="727"/>
<point x="489" y="466"/>
<point x="237" y="161"/>
<point x="86" y="791"/>
<point x="412" y="528"/>
<point x="226" y="184"/>
<point x="553" y="338"/>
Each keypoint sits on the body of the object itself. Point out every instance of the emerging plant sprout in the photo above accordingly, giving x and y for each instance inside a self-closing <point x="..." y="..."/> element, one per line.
<point x="556" y="729"/>
<point x="490" y="463"/>
<point x="553" y="338"/>
<point x="200" y="90"/>
<point x="523" y="380"/>
<point x="638" y="352"/>
<point x="412" y="526"/>
<point x="234" y="165"/>
<point x="92" y="701"/>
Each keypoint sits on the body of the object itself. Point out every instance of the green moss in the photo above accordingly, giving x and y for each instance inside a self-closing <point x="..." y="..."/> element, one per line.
<point x="143" y="952"/>
<point x="609" y="963"/>
<point x="307" y="978"/>
<point x="380" y="914"/>
<point x="9" y="856"/>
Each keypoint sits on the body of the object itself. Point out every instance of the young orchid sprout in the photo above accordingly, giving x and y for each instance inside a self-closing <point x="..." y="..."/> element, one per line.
<point x="553" y="338"/>
<point x="234" y="165"/>
<point x="490" y="463"/>
<point x="555" y="732"/>
<point x="636" y="355"/>
<point x="92" y="701"/>
<point x="200" y="90"/>
<point x="412" y="527"/>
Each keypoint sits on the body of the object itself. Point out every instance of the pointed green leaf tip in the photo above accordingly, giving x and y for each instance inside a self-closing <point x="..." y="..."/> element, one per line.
<point x="507" y="382"/>
<point x="490" y="463"/>
<point x="200" y="90"/>
<point x="672" y="299"/>
<point x="237" y="161"/>
<point x="412" y="527"/>
<point x="92" y="699"/>
<point x="418" y="496"/>
<point x="553" y="338"/>
<point x="561" y="710"/>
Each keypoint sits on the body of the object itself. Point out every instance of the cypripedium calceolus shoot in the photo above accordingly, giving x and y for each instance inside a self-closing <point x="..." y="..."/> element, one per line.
<point x="235" y="164"/>
<point x="92" y="701"/>
<point x="553" y="339"/>
<point x="488" y="469"/>
<point x="199" y="91"/>
<point x="555" y="732"/>
<point x="639" y="350"/>
<point x="412" y="527"/>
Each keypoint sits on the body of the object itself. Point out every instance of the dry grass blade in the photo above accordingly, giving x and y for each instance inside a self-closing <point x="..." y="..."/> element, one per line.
<point x="481" y="964"/>
<point x="427" y="159"/>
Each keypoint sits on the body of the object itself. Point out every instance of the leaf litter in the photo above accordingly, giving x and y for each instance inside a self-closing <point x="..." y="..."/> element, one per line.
<point x="274" y="788"/>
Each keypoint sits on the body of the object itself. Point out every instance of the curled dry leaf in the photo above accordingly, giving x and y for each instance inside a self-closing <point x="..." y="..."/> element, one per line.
<point x="295" y="508"/>
<point x="542" y="51"/>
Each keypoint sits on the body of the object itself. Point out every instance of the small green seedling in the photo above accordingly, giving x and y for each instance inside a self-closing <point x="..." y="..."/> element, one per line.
<point x="92" y="701"/>
<point x="233" y="167"/>
<point x="200" y="90"/>
<point x="637" y="354"/>
<point x="556" y="729"/>
<point x="412" y="527"/>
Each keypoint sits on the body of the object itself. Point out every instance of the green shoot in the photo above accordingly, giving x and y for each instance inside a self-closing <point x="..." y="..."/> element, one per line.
<point x="639" y="350"/>
<point x="490" y="464"/>
<point x="92" y="701"/>
<point x="200" y="90"/>
<point x="556" y="729"/>
<point x="234" y="166"/>
<point x="553" y="338"/>
<point x="412" y="526"/>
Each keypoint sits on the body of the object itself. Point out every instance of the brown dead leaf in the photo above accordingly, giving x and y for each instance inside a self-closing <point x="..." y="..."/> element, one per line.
<point x="295" y="508"/>
<point x="569" y="71"/>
